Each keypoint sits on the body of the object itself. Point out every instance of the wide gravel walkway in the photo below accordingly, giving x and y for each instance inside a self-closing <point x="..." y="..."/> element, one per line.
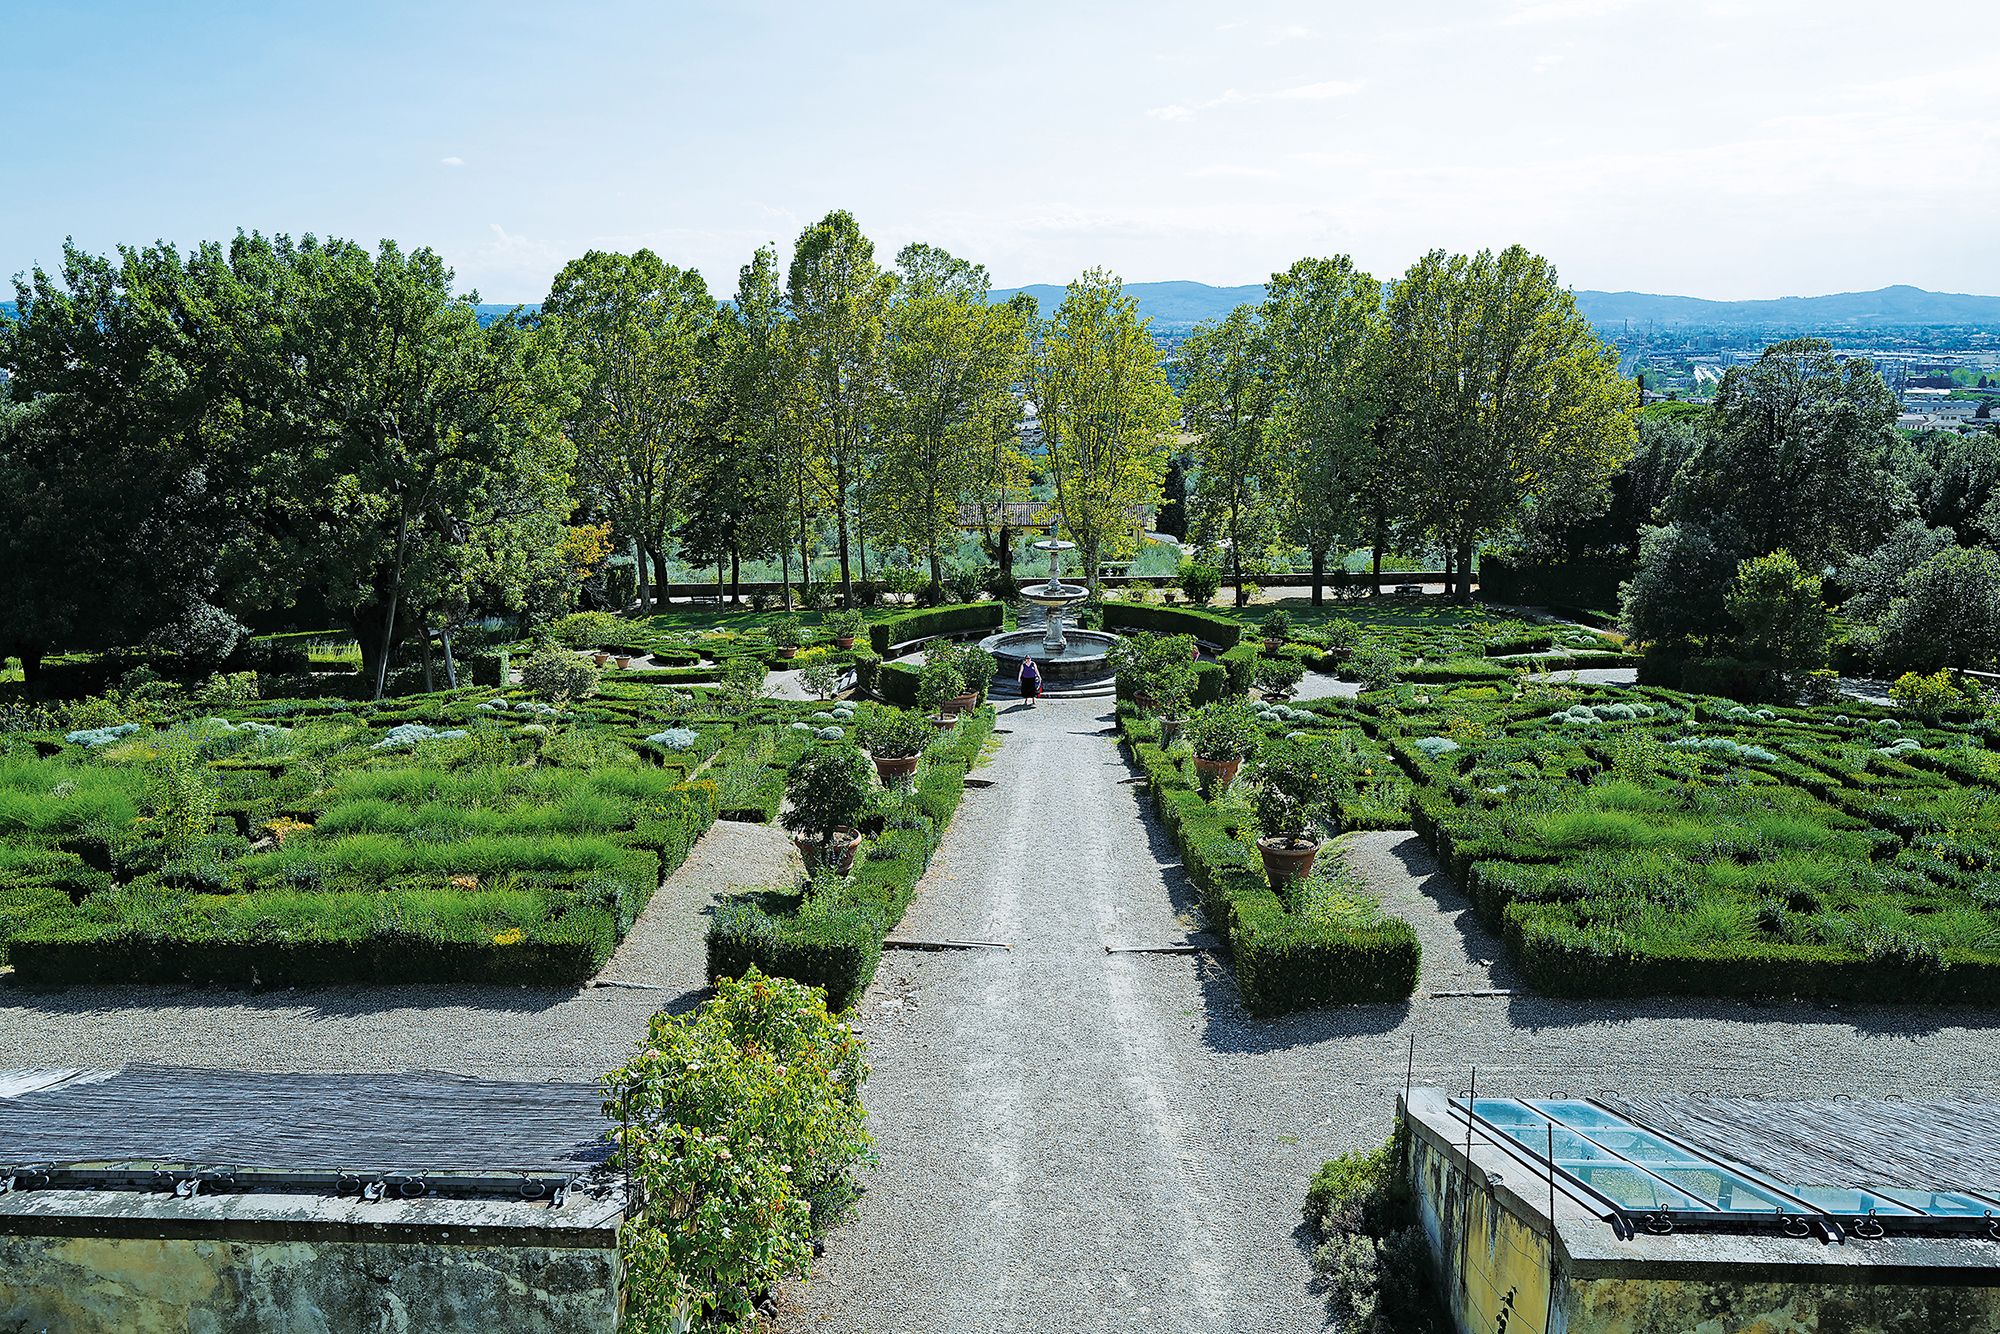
<point x="510" y="1032"/>
<point x="1073" y="1140"/>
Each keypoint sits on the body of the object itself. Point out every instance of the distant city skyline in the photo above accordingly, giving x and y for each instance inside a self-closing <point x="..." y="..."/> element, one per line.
<point x="1723" y="149"/>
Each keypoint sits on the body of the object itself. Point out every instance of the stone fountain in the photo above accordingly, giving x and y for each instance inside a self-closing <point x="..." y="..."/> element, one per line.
<point x="1062" y="654"/>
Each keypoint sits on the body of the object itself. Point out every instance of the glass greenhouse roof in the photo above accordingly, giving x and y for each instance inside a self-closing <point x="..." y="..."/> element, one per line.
<point x="1660" y="1181"/>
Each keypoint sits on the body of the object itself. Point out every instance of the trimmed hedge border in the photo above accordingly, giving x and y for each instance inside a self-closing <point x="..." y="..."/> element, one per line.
<point x="1281" y="963"/>
<point x="885" y="634"/>
<point x="836" y="943"/>
<point x="1218" y="632"/>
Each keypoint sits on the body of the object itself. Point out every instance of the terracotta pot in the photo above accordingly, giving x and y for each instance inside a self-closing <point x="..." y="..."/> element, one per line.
<point x="895" y="769"/>
<point x="623" y="661"/>
<point x="1273" y="645"/>
<point x="837" y="856"/>
<point x="945" y="722"/>
<point x="1286" y="862"/>
<point x="786" y="651"/>
<point x="1170" y="728"/>
<point x="1217" y="775"/>
<point x="960" y="704"/>
<point x="600" y="658"/>
<point x="1276" y="696"/>
<point x="843" y="642"/>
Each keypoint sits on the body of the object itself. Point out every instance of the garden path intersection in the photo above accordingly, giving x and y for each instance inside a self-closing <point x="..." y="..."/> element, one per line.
<point x="1078" y="1140"/>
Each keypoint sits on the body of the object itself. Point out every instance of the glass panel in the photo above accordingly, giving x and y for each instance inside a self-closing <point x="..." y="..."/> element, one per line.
<point x="1935" y="1204"/>
<point x="1630" y="1187"/>
<point x="1507" y="1112"/>
<point x="1836" y="1200"/>
<point x="1724" y="1190"/>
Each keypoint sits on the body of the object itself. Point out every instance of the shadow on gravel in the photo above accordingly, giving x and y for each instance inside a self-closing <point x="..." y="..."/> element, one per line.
<point x="1528" y="1013"/>
<point x="323" y="1001"/>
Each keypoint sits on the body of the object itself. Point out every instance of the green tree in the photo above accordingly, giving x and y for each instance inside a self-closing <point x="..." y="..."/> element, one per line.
<point x="950" y="362"/>
<point x="1107" y="415"/>
<point x="1947" y="615"/>
<point x="839" y="299"/>
<point x="1323" y="316"/>
<point x="1792" y="456"/>
<point x="1503" y="395"/>
<point x="1795" y="456"/>
<point x="1781" y="615"/>
<point x="1227" y="391"/>
<point x="644" y="337"/>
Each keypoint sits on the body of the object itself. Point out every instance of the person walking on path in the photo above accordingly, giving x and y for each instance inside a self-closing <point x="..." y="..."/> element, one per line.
<point x="1030" y="681"/>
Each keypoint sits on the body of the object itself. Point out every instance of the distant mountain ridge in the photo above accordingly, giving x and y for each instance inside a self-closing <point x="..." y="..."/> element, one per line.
<point x="1180" y="304"/>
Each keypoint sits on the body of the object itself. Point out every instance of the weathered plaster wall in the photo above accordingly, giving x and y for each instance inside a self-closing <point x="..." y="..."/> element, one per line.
<point x="1643" y="1306"/>
<point x="139" y="1285"/>
<point x="1493" y="1265"/>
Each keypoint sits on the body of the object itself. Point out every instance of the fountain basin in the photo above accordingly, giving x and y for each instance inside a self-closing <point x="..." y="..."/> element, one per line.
<point x="1084" y="658"/>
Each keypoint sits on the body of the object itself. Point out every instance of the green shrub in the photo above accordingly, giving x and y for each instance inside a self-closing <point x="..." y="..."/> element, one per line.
<point x="1221" y="632"/>
<point x="1370" y="1253"/>
<point x="829" y="787"/>
<point x="1290" y="786"/>
<point x="739" y="1126"/>
<point x="1375" y="665"/>
<point x="1223" y="731"/>
<point x="939" y="681"/>
<point x="587" y="629"/>
<point x="890" y="631"/>
<point x="1276" y="626"/>
<point x="892" y="734"/>
<point x="1279" y="674"/>
<point x="558" y="676"/>
<point x="1199" y="581"/>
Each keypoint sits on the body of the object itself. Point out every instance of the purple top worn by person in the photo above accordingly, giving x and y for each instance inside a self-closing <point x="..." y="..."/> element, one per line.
<point x="1031" y="678"/>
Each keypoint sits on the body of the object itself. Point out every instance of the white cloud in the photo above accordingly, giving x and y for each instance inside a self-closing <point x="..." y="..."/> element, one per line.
<point x="1323" y="91"/>
<point x="451" y="162"/>
<point x="1563" y="11"/>
<point x="1236" y="170"/>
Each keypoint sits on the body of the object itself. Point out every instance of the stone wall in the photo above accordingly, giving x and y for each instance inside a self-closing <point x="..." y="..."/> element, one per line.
<point x="134" y="1263"/>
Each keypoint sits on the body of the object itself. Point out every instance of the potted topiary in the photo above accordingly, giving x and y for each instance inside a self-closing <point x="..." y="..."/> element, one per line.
<point x="1340" y="638"/>
<point x="938" y="683"/>
<point x="828" y="793"/>
<point x="1172" y="674"/>
<point x="786" y="632"/>
<point x="844" y="626"/>
<point x="893" y="738"/>
<point x="1278" y="675"/>
<point x="978" y="667"/>
<point x="1291" y="782"/>
<point x="959" y="659"/>
<point x="1222" y="736"/>
<point x="1277" y="628"/>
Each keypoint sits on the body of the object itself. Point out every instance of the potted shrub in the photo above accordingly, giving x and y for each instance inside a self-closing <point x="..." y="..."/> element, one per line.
<point x="960" y="660"/>
<point x="893" y="738"/>
<point x="1199" y="581"/>
<point x="1340" y="638"/>
<point x="786" y="631"/>
<point x="1278" y="675"/>
<point x="1291" y="782"/>
<point x="978" y="667"/>
<point x="938" y="683"/>
<point x="1171" y="677"/>
<point x="1222" y="736"/>
<point x="828" y="793"/>
<point x="1277" y="628"/>
<point x="844" y="626"/>
<point x="822" y="679"/>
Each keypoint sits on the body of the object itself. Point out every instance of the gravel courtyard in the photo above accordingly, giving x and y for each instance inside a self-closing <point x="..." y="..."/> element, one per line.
<point x="1074" y="1140"/>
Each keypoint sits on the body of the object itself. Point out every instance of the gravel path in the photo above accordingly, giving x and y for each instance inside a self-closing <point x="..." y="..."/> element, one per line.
<point x="1078" y="1141"/>
<point x="511" y="1032"/>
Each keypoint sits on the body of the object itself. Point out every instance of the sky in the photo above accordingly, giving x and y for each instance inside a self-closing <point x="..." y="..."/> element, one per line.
<point x="1718" y="148"/>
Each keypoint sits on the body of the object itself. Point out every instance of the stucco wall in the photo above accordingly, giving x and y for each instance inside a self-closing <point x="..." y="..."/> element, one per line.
<point x="1492" y="1265"/>
<point x="136" y="1285"/>
<point x="1641" y="1306"/>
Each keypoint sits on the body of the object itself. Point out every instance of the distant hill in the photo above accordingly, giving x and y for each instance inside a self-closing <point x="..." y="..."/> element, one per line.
<point x="1180" y="304"/>
<point x="1901" y="304"/>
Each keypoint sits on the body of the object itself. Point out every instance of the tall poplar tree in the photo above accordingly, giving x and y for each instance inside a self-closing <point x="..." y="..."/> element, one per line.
<point x="1502" y="392"/>
<point x="1322" y="316"/>
<point x="1227" y="391"/>
<point x="839" y="299"/>
<point x="1107" y="415"/>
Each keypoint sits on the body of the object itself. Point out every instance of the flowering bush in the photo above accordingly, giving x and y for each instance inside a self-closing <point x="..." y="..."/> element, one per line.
<point x="739" y="1125"/>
